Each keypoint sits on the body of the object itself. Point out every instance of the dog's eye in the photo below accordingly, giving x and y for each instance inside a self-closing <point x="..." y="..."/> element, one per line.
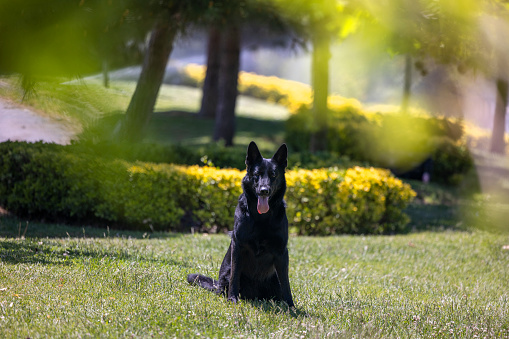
<point x="273" y="174"/>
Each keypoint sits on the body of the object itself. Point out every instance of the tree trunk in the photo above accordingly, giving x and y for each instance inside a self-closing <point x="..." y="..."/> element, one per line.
<point x="407" y="85"/>
<point x="498" y="134"/>
<point x="106" y="73"/>
<point x="144" y="98"/>
<point x="211" y="83"/>
<point x="228" y="80"/>
<point x="320" y="82"/>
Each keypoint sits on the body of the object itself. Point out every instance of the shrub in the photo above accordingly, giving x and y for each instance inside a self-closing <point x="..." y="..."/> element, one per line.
<point x="289" y="93"/>
<point x="343" y="136"/>
<point x="48" y="181"/>
<point x="358" y="200"/>
<point x="43" y="184"/>
<point x="383" y="139"/>
<point x="211" y="155"/>
<point x="389" y="140"/>
<point x="211" y="195"/>
<point x="451" y="161"/>
<point x="142" y="196"/>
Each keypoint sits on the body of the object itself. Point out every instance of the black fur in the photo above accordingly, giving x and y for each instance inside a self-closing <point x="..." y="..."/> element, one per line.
<point x="256" y="263"/>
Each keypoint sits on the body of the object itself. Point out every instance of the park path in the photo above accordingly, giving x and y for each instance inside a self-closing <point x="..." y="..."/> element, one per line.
<point x="19" y="123"/>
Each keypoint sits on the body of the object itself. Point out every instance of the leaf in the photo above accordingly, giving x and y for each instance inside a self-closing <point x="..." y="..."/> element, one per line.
<point x="350" y="25"/>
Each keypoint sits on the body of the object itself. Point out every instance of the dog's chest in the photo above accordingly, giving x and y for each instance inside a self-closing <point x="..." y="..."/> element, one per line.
<point x="266" y="244"/>
<point x="262" y="248"/>
<point x="260" y="254"/>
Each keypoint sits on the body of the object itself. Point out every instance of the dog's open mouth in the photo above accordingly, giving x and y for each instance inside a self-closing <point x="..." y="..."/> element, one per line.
<point x="263" y="204"/>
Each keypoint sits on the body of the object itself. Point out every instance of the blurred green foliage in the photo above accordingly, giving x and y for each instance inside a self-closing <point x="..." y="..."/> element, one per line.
<point x="390" y="140"/>
<point x="45" y="38"/>
<point x="211" y="154"/>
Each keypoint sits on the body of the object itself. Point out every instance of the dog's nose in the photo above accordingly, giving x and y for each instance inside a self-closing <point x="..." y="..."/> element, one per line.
<point x="264" y="191"/>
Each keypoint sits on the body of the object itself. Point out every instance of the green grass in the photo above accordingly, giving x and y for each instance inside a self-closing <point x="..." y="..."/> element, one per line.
<point x="89" y="282"/>
<point x="183" y="127"/>
<point x="62" y="281"/>
<point x="88" y="106"/>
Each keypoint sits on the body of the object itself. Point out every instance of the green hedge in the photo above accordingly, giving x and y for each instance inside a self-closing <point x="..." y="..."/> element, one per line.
<point x="389" y="140"/>
<point x="212" y="155"/>
<point x="51" y="182"/>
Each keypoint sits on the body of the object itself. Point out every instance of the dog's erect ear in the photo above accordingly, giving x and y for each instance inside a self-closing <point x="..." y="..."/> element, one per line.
<point x="253" y="155"/>
<point x="281" y="155"/>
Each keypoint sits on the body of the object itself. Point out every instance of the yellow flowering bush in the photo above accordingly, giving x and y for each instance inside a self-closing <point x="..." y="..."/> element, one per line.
<point x="48" y="181"/>
<point x="358" y="200"/>
<point x="289" y="93"/>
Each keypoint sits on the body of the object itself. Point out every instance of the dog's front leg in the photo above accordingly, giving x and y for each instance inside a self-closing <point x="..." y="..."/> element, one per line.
<point x="281" y="266"/>
<point x="236" y="268"/>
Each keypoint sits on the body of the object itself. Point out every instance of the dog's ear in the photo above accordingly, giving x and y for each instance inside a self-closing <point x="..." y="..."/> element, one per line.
<point x="281" y="155"/>
<point x="253" y="155"/>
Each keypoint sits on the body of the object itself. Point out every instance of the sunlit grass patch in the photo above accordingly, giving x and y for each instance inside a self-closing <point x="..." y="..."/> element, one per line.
<point x="86" y="104"/>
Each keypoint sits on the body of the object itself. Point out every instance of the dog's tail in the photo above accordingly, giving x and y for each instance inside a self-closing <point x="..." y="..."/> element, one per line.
<point x="203" y="281"/>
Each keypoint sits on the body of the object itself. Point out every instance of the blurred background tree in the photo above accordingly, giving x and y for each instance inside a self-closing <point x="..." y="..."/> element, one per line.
<point x="467" y="36"/>
<point x="226" y="23"/>
<point x="320" y="23"/>
<point x="169" y="18"/>
<point x="86" y="36"/>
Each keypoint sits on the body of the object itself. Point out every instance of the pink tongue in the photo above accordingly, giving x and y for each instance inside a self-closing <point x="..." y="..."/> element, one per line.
<point x="263" y="205"/>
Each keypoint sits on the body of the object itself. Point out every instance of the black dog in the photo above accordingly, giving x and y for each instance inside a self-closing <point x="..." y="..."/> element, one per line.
<point x="256" y="264"/>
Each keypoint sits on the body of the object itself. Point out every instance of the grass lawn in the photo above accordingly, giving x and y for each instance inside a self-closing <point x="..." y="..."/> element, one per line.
<point x="61" y="281"/>
<point x="86" y="104"/>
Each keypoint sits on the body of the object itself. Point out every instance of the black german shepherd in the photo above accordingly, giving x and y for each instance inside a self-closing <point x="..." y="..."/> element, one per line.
<point x="256" y="263"/>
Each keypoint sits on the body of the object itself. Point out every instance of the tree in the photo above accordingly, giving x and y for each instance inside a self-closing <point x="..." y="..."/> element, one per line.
<point x="472" y="36"/>
<point x="424" y="29"/>
<point x="226" y="24"/>
<point x="229" y="13"/>
<point x="320" y="84"/>
<point x="228" y="81"/>
<point x="407" y="84"/>
<point x="320" y="23"/>
<point x="173" y="17"/>
<point x="118" y="30"/>
<point x="497" y="144"/>
<point x="142" y="103"/>
<point x="494" y="24"/>
<point x="210" y="92"/>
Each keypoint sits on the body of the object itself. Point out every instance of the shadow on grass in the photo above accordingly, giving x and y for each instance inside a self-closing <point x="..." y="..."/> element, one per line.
<point x="13" y="227"/>
<point x="20" y="252"/>
<point x="30" y="251"/>
<point x="432" y="217"/>
<point x="184" y="127"/>
<point x="277" y="307"/>
<point x="435" y="208"/>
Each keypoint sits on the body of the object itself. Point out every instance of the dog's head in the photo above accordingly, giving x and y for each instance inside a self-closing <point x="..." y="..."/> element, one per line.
<point x="265" y="177"/>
